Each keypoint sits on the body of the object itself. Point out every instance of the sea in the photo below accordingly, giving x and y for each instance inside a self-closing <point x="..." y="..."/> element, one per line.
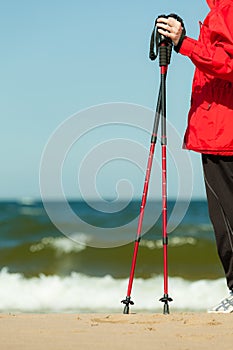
<point x="85" y="268"/>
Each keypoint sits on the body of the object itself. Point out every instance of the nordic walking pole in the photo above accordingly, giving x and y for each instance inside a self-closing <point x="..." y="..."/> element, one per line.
<point x="165" y="55"/>
<point x="127" y="301"/>
<point x="164" y="67"/>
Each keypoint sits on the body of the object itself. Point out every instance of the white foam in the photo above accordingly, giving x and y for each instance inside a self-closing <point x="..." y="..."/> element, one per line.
<point x="173" y="242"/>
<point x="79" y="242"/>
<point x="80" y="293"/>
<point x="60" y="244"/>
<point x="27" y="201"/>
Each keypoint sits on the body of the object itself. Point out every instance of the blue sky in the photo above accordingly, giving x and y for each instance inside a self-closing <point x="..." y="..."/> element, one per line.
<point x="60" y="57"/>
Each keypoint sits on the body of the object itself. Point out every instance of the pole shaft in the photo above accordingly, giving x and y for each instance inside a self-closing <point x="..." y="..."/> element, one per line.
<point x="141" y="216"/>
<point x="164" y="216"/>
<point x="164" y="177"/>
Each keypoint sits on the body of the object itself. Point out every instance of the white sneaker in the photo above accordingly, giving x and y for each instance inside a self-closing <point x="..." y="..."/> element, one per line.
<point x="225" y="306"/>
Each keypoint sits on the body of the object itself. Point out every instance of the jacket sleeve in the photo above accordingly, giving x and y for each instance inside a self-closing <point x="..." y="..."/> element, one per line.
<point x="214" y="57"/>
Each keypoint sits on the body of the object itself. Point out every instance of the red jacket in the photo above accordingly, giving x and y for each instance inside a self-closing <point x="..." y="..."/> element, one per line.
<point x="210" y="119"/>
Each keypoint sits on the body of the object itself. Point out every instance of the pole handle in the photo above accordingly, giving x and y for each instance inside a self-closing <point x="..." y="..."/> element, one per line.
<point x="158" y="40"/>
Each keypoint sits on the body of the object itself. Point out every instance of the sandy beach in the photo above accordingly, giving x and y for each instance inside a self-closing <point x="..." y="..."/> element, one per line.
<point x="181" y="331"/>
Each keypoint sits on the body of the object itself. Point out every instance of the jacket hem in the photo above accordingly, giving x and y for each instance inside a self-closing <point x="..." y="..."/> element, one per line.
<point x="214" y="152"/>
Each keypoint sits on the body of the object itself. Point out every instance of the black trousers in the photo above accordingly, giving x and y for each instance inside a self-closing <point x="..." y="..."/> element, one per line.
<point x="218" y="174"/>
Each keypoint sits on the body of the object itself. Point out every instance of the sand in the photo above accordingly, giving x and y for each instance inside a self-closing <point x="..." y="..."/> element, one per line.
<point x="181" y="331"/>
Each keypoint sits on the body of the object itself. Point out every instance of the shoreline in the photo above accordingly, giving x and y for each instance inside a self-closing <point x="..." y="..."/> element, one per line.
<point x="177" y="331"/>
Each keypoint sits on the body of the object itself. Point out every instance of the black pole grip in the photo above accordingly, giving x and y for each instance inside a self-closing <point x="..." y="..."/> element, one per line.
<point x="163" y="59"/>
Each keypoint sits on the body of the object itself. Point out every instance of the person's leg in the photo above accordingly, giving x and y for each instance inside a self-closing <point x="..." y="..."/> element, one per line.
<point x="218" y="173"/>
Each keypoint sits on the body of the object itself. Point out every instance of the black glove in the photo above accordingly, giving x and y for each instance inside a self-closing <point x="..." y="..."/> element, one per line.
<point x="178" y="46"/>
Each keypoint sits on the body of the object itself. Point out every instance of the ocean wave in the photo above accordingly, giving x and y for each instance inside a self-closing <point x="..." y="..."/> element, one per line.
<point x="65" y="245"/>
<point x="62" y="245"/>
<point x="75" y="293"/>
<point x="173" y="242"/>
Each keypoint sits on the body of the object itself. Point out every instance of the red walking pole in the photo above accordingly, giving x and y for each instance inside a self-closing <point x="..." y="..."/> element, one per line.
<point x="163" y="46"/>
<point x="165" y="297"/>
<point x="128" y="300"/>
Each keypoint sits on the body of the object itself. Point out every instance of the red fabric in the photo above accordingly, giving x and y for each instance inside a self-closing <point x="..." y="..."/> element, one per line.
<point x="210" y="119"/>
<point x="211" y="3"/>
